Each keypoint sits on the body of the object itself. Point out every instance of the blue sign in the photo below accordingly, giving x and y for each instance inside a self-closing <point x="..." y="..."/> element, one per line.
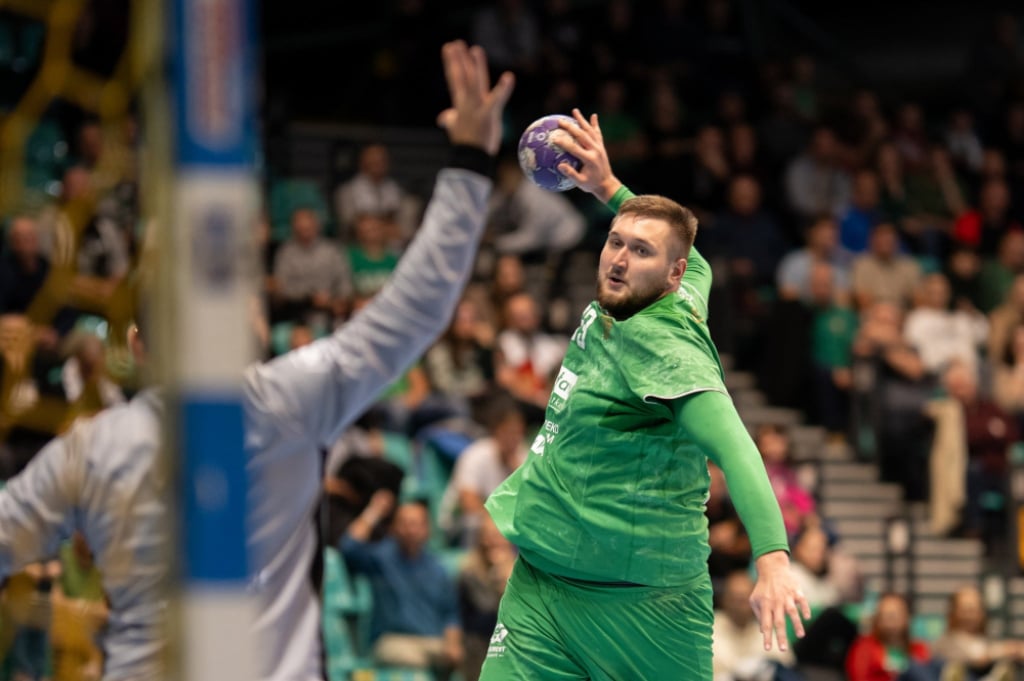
<point x="214" y="82"/>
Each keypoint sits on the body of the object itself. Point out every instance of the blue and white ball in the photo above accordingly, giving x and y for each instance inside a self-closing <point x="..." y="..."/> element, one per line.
<point x="539" y="157"/>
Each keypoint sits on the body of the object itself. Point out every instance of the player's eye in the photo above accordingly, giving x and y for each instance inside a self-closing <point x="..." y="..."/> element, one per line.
<point x="642" y="250"/>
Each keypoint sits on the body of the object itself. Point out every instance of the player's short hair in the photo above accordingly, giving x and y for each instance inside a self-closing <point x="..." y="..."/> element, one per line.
<point x="680" y="218"/>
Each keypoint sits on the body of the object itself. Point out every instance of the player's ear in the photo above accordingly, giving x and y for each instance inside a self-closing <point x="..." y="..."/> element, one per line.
<point x="676" y="272"/>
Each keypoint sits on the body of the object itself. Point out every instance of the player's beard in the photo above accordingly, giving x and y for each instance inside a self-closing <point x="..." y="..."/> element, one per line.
<point x="622" y="307"/>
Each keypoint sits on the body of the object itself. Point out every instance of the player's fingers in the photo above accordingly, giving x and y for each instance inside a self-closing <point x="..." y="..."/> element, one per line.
<point x="584" y="125"/>
<point x="764" y="615"/>
<point x="794" y="617"/>
<point x="578" y="134"/>
<point x="597" y="126"/>
<point x="570" y="172"/>
<point x="805" y="607"/>
<point x="570" y="145"/>
<point x="779" y="621"/>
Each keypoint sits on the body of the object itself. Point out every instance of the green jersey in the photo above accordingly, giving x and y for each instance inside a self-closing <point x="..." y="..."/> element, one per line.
<point x="612" y="490"/>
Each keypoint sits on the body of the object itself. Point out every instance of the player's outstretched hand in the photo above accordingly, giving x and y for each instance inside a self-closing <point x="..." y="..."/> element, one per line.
<point x="586" y="143"/>
<point x="474" y="118"/>
<point x="776" y="596"/>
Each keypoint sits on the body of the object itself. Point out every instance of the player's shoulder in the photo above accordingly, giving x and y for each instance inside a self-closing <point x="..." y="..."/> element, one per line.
<point x="127" y="423"/>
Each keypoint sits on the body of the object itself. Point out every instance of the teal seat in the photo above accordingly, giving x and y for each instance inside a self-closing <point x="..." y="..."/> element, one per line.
<point x="341" y="599"/>
<point x="287" y="196"/>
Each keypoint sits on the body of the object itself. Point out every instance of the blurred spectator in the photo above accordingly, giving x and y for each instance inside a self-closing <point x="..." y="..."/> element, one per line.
<point x="997" y="274"/>
<point x="833" y="329"/>
<point x="812" y="555"/>
<point x="616" y="39"/>
<point x="25" y="268"/>
<point x="669" y="140"/>
<point x="1011" y="141"/>
<point x="1008" y="378"/>
<point x="870" y="128"/>
<point x="564" y="40"/>
<point x="355" y="469"/>
<point x="990" y="432"/>
<point x="796" y="503"/>
<point x="963" y="269"/>
<point x="509" y="33"/>
<point x="529" y="221"/>
<point x="507" y="279"/>
<point x="724" y="54"/>
<point x="886" y="652"/>
<point x="909" y="137"/>
<point x="863" y="213"/>
<point x="966" y="644"/>
<point x="994" y="59"/>
<point x="743" y="151"/>
<point x="963" y="142"/>
<point x="983" y="227"/>
<point x="373" y="191"/>
<point x="805" y="95"/>
<point x="84" y="375"/>
<point x="883" y="273"/>
<point x="623" y="134"/>
<point x="460" y="365"/>
<point x="747" y="235"/>
<point x="816" y="183"/>
<point x="891" y="390"/>
<point x="781" y="131"/>
<point x="311" y="275"/>
<point x="415" y="609"/>
<point x="79" y="613"/>
<point x="406" y="406"/>
<point x="481" y="467"/>
<point x="794" y="273"/>
<point x="730" y="545"/>
<point x="1003" y="319"/>
<point x="370" y="258"/>
<point x="101" y="245"/>
<point x="707" y="178"/>
<point x="940" y="335"/>
<point x="28" y="620"/>
<point x="737" y="641"/>
<point x="670" y="36"/>
<point x="481" y="584"/>
<point x="527" y="358"/>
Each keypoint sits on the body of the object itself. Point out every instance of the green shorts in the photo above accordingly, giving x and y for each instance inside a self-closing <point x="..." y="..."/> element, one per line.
<point x="553" y="628"/>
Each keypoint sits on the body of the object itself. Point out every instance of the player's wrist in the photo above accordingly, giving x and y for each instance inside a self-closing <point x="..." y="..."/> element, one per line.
<point x="606" y="189"/>
<point x="472" y="157"/>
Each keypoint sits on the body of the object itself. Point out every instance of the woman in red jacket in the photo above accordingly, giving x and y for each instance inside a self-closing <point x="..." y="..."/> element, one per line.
<point x="887" y="653"/>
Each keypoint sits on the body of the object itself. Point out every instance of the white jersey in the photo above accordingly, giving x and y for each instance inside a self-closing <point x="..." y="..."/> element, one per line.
<point x="102" y="479"/>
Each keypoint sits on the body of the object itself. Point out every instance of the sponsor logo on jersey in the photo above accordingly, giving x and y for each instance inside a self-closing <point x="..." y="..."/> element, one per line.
<point x="497" y="646"/>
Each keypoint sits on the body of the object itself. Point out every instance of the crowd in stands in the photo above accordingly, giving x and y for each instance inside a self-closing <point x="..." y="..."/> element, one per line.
<point x="869" y="270"/>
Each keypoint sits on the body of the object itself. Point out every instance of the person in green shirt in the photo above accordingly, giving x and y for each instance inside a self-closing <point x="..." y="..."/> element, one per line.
<point x="608" y="510"/>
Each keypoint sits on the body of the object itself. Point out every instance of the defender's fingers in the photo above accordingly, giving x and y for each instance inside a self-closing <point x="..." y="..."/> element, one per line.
<point x="477" y="64"/>
<point x="498" y="97"/>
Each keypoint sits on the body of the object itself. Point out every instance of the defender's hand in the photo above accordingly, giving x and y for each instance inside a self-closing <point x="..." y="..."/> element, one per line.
<point x="474" y="118"/>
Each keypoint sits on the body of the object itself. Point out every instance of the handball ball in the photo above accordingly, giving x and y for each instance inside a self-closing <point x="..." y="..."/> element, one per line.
<point x="539" y="156"/>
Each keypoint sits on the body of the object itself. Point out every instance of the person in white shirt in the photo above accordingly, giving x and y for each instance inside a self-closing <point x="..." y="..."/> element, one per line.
<point x="481" y="467"/>
<point x="941" y="335"/>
